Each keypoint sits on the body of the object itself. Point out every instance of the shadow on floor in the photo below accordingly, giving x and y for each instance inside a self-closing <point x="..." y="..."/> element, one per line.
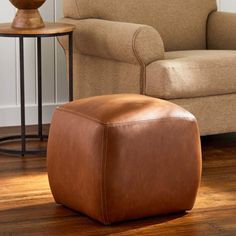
<point x="52" y="219"/>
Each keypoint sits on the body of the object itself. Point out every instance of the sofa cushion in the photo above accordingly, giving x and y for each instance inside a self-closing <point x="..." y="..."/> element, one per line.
<point x="189" y="74"/>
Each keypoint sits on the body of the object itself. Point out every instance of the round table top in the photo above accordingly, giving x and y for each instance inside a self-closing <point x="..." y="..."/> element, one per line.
<point x="50" y="29"/>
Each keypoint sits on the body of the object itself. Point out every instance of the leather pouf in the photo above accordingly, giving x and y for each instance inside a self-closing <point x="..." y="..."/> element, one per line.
<point x="121" y="157"/>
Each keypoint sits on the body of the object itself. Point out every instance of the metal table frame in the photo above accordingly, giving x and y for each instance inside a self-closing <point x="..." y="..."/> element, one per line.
<point x="40" y="136"/>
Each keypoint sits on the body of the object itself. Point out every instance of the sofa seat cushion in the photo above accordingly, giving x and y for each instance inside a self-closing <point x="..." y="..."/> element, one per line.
<point x="189" y="74"/>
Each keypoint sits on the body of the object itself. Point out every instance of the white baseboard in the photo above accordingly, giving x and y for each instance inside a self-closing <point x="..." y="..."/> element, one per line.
<point x="10" y="115"/>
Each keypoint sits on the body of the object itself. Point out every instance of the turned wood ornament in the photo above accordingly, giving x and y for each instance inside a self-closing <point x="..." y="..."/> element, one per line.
<point x="27" y="16"/>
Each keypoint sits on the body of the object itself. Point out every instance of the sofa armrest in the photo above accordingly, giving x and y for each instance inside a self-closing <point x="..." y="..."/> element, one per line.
<point x="222" y="31"/>
<point x="126" y="42"/>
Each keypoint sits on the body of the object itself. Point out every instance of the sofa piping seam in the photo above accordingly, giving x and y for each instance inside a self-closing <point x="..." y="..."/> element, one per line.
<point x="198" y="97"/>
<point x="134" y="45"/>
<point x="77" y="51"/>
<point x="207" y="27"/>
<point x="141" y="63"/>
<point x="144" y="89"/>
<point x="190" y="67"/>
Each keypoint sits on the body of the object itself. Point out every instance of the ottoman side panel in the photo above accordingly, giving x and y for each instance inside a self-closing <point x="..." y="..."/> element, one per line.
<point x="153" y="167"/>
<point x="74" y="158"/>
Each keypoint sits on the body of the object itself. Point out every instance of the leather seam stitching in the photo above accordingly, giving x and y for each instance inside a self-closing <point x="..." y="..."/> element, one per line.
<point x="124" y="123"/>
<point x="101" y="184"/>
<point x="105" y="169"/>
<point x="80" y="114"/>
<point x="147" y="121"/>
<point x="103" y="176"/>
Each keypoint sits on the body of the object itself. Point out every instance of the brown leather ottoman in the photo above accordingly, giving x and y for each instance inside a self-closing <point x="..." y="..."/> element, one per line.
<point x="122" y="157"/>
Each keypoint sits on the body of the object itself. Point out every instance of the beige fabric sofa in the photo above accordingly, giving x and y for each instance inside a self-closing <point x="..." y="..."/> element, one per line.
<point x="178" y="50"/>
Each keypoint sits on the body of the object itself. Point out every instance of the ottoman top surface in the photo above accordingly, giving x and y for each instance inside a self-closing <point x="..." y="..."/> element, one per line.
<point x="124" y="108"/>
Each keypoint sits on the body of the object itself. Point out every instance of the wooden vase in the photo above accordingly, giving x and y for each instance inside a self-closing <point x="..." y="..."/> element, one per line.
<point x="27" y="16"/>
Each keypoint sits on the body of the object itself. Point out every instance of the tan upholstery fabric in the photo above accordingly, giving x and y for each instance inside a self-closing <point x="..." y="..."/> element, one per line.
<point x="126" y="42"/>
<point x="222" y="31"/>
<point x="181" y="23"/>
<point x="105" y="62"/>
<point x="215" y="114"/>
<point x="188" y="74"/>
<point x="97" y="76"/>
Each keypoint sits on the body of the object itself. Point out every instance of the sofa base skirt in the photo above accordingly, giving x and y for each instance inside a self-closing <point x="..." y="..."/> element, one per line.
<point x="215" y="114"/>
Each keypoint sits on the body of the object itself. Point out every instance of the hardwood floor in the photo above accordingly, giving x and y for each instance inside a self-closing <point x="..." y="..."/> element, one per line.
<point x="27" y="206"/>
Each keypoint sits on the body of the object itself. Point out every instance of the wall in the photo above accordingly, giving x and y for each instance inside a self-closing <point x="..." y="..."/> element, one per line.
<point x="227" y="5"/>
<point x="55" y="87"/>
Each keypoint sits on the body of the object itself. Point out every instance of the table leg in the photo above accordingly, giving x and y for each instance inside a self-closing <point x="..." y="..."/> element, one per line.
<point x="40" y="109"/>
<point x="22" y="97"/>
<point x="71" y="96"/>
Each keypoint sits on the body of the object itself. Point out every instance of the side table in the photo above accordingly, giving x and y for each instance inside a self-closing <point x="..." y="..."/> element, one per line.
<point x="50" y="30"/>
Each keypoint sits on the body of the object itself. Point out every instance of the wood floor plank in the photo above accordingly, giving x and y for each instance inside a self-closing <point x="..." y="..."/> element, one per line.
<point x="27" y="206"/>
